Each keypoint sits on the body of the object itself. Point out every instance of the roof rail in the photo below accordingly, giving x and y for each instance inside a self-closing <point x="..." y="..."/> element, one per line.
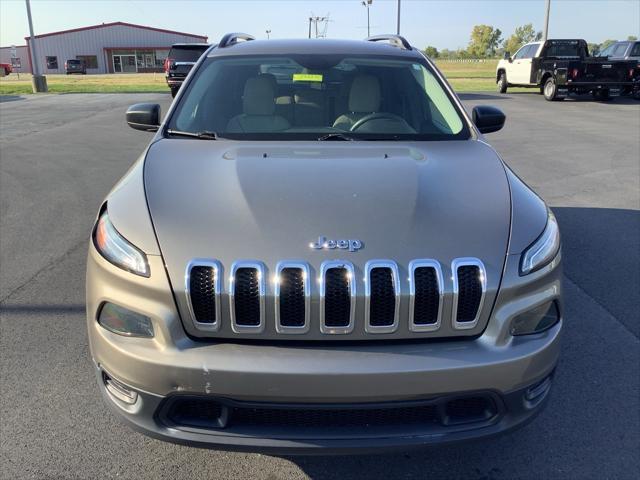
<point x="395" y="40"/>
<point x="232" y="38"/>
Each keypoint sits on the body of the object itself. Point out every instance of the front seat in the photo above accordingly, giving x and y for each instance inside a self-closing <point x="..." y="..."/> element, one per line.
<point x="258" y="107"/>
<point x="364" y="99"/>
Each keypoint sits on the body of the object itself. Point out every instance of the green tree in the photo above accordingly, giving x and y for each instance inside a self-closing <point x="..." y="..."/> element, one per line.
<point x="524" y="34"/>
<point x="632" y="38"/>
<point x="484" y="41"/>
<point x="431" y="52"/>
<point x="446" y="53"/>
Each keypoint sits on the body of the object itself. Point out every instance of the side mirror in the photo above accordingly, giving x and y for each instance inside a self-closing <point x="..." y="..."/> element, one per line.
<point x="144" y="116"/>
<point x="488" y="119"/>
<point x="507" y="56"/>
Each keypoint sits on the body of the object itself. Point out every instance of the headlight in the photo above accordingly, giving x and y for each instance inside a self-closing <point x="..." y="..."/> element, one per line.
<point x="116" y="249"/>
<point x="544" y="249"/>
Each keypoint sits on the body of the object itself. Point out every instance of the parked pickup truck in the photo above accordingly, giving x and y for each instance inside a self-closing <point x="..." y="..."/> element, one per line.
<point x="182" y="57"/>
<point x="562" y="67"/>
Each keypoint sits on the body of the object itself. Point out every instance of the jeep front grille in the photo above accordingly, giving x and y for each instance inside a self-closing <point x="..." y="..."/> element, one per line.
<point x="204" y="286"/>
<point x="337" y="297"/>
<point x="469" y="286"/>
<point x="292" y="297"/>
<point x="247" y="297"/>
<point x="426" y="284"/>
<point x="382" y="296"/>
<point x="294" y="287"/>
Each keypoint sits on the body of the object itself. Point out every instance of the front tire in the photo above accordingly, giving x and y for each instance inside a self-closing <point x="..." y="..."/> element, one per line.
<point x="174" y="91"/>
<point x="502" y="83"/>
<point x="550" y="90"/>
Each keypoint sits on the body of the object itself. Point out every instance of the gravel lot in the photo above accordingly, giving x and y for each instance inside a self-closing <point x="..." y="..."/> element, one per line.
<point x="61" y="154"/>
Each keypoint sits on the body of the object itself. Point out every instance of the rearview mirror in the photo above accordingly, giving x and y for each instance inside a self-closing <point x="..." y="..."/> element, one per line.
<point x="144" y="116"/>
<point x="507" y="55"/>
<point x="488" y="119"/>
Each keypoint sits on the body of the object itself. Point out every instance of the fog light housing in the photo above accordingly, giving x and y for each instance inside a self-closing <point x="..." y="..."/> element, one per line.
<point x="119" y="390"/>
<point x="536" y="320"/>
<point x="122" y="321"/>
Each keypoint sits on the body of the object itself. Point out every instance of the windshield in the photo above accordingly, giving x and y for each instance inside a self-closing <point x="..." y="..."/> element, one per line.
<point x="313" y="96"/>
<point x="186" y="54"/>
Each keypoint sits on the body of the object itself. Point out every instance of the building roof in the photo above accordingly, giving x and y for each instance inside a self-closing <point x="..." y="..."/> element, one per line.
<point x="124" y="24"/>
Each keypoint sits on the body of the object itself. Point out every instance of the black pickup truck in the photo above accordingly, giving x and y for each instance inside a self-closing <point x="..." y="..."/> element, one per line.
<point x="562" y="67"/>
<point x="182" y="57"/>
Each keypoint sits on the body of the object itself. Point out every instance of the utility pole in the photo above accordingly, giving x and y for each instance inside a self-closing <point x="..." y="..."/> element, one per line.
<point x="38" y="82"/>
<point x="546" y="21"/>
<point x="367" y="4"/>
<point x="398" y="23"/>
<point x="268" y="32"/>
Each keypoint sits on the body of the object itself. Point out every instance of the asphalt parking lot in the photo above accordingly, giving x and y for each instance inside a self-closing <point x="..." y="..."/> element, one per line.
<point x="61" y="154"/>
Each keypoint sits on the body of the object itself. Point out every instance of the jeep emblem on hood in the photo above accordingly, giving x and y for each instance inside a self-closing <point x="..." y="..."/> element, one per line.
<point x="325" y="244"/>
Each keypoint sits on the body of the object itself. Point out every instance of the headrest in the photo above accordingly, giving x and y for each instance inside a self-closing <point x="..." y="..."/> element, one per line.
<point x="364" y="96"/>
<point x="258" y="98"/>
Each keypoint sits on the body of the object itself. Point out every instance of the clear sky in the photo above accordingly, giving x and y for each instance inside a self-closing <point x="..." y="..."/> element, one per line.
<point x="443" y="24"/>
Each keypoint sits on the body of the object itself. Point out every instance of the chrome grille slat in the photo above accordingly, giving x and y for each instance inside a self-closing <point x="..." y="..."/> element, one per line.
<point x="246" y="296"/>
<point x="462" y="291"/>
<point x="213" y="287"/>
<point x="333" y="292"/>
<point x="419" y="303"/>
<point x="292" y="297"/>
<point x="382" y="296"/>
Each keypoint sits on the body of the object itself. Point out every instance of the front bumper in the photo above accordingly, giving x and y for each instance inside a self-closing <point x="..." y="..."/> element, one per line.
<point x="291" y="373"/>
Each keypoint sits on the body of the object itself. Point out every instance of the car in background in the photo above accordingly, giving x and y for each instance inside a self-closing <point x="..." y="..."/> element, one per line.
<point x="563" y="67"/>
<point x="182" y="57"/>
<point x="627" y="50"/>
<point x="75" y="66"/>
<point x="5" y="69"/>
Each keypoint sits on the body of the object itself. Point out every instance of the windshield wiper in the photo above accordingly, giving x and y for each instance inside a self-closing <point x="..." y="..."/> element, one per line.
<point x="336" y="136"/>
<point x="205" y="135"/>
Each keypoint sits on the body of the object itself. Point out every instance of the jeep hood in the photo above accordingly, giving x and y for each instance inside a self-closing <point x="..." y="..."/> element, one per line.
<point x="225" y="200"/>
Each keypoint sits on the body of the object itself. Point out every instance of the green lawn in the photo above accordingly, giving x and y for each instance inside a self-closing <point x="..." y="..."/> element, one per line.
<point x="465" y="77"/>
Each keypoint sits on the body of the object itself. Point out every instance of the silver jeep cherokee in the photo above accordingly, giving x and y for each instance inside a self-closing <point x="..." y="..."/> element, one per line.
<point x="319" y="252"/>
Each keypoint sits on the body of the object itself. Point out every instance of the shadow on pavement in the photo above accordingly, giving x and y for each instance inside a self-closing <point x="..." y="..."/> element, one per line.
<point x="10" y="98"/>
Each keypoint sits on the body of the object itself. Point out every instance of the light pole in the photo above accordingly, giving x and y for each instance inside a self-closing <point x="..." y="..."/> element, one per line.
<point x="268" y="32"/>
<point x="367" y="4"/>
<point x="38" y="82"/>
<point x="546" y="21"/>
<point x="398" y="23"/>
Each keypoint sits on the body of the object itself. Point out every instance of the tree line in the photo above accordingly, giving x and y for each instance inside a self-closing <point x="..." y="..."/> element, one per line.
<point x="487" y="42"/>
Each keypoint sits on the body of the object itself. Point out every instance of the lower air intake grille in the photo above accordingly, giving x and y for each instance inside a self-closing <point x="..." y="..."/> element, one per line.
<point x="337" y="301"/>
<point x="427" y="296"/>
<point x="247" y="296"/>
<point x="383" y="297"/>
<point x="469" y="292"/>
<point x="293" y="420"/>
<point x="202" y="288"/>
<point x="292" y="297"/>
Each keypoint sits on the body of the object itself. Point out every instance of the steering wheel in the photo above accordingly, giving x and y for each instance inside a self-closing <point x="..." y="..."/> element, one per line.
<point x="379" y="116"/>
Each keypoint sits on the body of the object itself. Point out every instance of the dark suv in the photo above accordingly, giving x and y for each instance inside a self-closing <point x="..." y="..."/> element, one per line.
<point x="182" y="57"/>
<point x="75" y="66"/>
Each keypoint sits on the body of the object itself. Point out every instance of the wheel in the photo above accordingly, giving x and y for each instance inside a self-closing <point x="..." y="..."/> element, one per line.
<point x="174" y="91"/>
<point x="502" y="83"/>
<point x="550" y="90"/>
